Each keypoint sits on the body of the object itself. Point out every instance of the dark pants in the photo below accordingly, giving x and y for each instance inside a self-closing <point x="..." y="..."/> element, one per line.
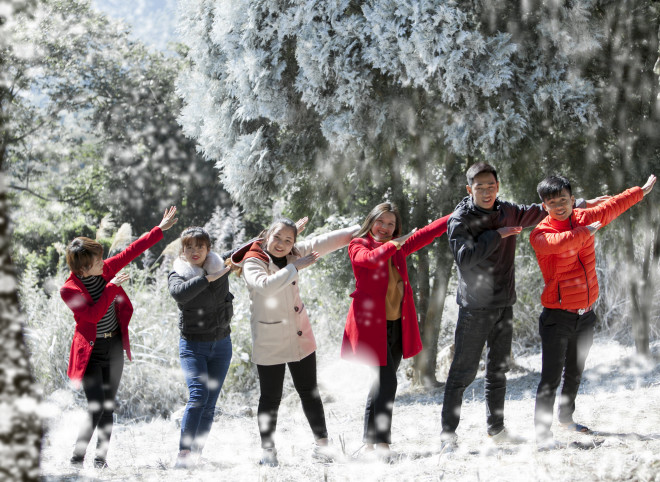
<point x="476" y="327"/>
<point x="380" y="401"/>
<point x="205" y="365"/>
<point x="100" y="384"/>
<point x="565" y="342"/>
<point x="271" y="383"/>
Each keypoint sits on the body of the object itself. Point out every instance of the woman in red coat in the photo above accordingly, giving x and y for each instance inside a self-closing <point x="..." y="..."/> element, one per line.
<point x="102" y="312"/>
<point x="381" y="327"/>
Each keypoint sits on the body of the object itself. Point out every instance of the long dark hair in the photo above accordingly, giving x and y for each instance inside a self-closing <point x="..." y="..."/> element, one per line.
<point x="375" y="214"/>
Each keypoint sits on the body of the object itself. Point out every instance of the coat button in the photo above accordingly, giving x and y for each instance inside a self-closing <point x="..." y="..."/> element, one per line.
<point x="300" y="333"/>
<point x="295" y="308"/>
<point x="293" y="283"/>
<point x="91" y="343"/>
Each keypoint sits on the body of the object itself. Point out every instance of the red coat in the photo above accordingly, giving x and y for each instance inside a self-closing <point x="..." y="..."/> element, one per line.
<point x="365" y="334"/>
<point x="87" y="313"/>
<point x="566" y="255"/>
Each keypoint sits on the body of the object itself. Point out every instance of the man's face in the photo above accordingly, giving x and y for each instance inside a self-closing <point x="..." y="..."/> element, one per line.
<point x="484" y="190"/>
<point x="560" y="207"/>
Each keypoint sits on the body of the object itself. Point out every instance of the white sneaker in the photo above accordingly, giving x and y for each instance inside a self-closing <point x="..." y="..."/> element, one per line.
<point x="505" y="437"/>
<point x="549" y="444"/>
<point x="448" y="442"/>
<point x="326" y="453"/>
<point x="184" y="460"/>
<point x="269" y="457"/>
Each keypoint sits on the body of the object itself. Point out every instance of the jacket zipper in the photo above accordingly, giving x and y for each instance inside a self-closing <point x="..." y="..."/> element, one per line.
<point x="586" y="278"/>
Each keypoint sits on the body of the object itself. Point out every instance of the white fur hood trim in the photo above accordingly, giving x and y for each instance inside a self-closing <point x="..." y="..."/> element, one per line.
<point x="212" y="264"/>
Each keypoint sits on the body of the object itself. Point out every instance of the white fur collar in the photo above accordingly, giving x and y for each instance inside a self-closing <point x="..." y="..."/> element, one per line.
<point x="212" y="264"/>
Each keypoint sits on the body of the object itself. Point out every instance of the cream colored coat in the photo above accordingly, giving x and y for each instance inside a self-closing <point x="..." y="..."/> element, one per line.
<point x="281" y="331"/>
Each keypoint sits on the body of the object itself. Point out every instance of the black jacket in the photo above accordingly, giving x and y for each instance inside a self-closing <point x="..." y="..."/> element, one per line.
<point x="485" y="260"/>
<point x="205" y="309"/>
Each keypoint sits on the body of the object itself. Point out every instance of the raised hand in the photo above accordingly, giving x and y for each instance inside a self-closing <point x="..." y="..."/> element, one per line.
<point x="119" y="279"/>
<point x="593" y="227"/>
<point x="211" y="277"/>
<point x="646" y="188"/>
<point x="591" y="203"/>
<point x="301" y="223"/>
<point x="168" y="220"/>
<point x="306" y="261"/>
<point x="507" y="231"/>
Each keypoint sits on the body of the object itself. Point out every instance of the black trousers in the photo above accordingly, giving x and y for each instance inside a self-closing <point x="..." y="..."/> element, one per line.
<point x="380" y="401"/>
<point x="271" y="383"/>
<point x="476" y="327"/>
<point x="100" y="384"/>
<point x="565" y="342"/>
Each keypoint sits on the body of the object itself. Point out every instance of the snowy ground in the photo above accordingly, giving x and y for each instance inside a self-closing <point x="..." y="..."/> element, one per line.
<point x="619" y="398"/>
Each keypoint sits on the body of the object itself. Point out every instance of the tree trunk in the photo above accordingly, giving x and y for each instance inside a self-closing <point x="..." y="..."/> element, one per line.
<point x="641" y="286"/>
<point x="426" y="362"/>
<point x="20" y="431"/>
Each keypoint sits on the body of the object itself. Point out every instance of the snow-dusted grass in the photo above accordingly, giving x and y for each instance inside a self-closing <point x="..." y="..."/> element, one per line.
<point x="619" y="397"/>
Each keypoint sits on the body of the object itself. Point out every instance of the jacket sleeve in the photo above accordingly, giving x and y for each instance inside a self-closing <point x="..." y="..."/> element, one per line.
<point x="132" y="251"/>
<point x="425" y="236"/>
<point x="554" y="243"/>
<point x="183" y="290"/>
<point x="328" y="242"/>
<point x="83" y="311"/>
<point x="609" y="210"/>
<point x="257" y="278"/>
<point x="363" y="256"/>
<point x="524" y="215"/>
<point x="469" y="251"/>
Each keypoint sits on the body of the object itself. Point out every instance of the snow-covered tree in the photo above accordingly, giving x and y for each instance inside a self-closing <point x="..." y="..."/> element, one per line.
<point x="335" y="104"/>
<point x="20" y="428"/>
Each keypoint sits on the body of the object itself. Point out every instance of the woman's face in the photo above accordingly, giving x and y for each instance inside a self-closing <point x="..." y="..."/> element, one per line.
<point x="96" y="269"/>
<point x="195" y="253"/>
<point x="384" y="226"/>
<point x="281" y="241"/>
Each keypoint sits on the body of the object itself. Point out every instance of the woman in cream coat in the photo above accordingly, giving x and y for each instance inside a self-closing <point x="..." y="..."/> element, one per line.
<point x="281" y="332"/>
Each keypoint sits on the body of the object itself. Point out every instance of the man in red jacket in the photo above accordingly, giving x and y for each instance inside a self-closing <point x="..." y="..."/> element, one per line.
<point x="564" y="246"/>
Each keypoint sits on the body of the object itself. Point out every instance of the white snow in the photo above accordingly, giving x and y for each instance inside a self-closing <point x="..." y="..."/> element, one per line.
<point x="619" y="398"/>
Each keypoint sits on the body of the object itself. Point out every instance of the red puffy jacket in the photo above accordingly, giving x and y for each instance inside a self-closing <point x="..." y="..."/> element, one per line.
<point x="365" y="334"/>
<point x="87" y="313"/>
<point x="566" y="255"/>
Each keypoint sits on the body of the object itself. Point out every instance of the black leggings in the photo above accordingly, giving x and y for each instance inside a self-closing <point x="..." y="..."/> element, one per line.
<point x="100" y="383"/>
<point x="271" y="382"/>
<point x="380" y="401"/>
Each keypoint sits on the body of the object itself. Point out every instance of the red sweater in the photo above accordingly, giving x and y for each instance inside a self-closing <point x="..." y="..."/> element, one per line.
<point x="365" y="334"/>
<point x="566" y="255"/>
<point x="87" y="314"/>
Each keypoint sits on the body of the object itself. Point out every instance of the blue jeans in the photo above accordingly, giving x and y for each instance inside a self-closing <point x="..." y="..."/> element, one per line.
<point x="474" y="329"/>
<point x="205" y="365"/>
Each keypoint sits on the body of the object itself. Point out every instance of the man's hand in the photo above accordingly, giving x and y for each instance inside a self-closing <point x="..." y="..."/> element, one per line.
<point x="592" y="203"/>
<point x="646" y="188"/>
<point x="510" y="231"/>
<point x="593" y="227"/>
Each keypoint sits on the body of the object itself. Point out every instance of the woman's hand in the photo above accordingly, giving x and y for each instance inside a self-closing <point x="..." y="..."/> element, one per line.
<point x="592" y="203"/>
<point x="593" y="227"/>
<point x="306" y="261"/>
<point x="401" y="240"/>
<point x="301" y="223"/>
<point x="211" y="277"/>
<point x="167" y="221"/>
<point x="119" y="279"/>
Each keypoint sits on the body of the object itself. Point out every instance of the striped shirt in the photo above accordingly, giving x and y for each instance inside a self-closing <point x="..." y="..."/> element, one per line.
<point x="95" y="286"/>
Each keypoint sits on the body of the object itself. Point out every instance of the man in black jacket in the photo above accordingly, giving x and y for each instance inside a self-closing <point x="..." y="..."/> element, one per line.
<point x="482" y="236"/>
